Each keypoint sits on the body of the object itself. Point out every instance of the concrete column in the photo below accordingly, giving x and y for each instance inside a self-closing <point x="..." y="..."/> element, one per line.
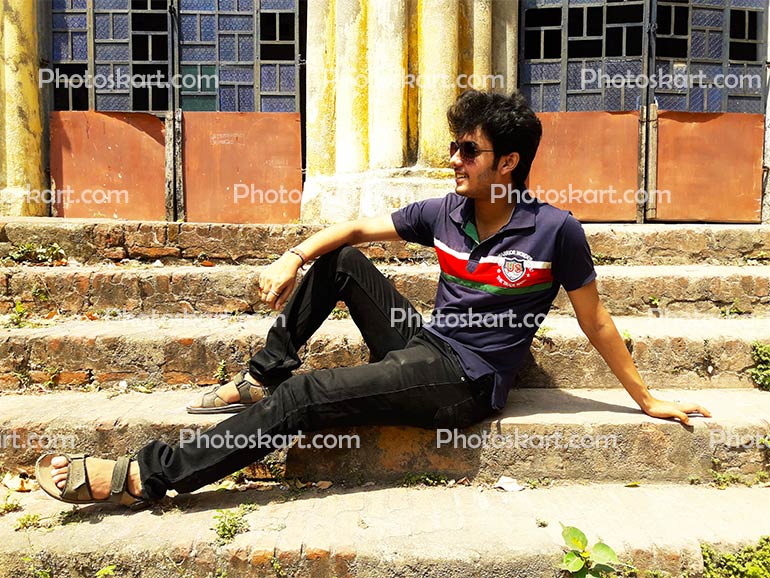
<point x="351" y="99"/>
<point x="387" y="70"/>
<point x="438" y="75"/>
<point x="320" y="69"/>
<point x="22" y="126"/>
<point x="766" y="152"/>
<point x="482" y="43"/>
<point x="505" y="35"/>
<point x="2" y="102"/>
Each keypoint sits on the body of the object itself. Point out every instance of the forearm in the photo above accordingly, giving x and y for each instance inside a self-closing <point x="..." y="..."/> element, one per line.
<point x="328" y="240"/>
<point x="349" y="233"/>
<point x="610" y="345"/>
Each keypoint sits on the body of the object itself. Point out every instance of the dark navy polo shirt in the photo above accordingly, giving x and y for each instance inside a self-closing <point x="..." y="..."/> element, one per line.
<point x="492" y="296"/>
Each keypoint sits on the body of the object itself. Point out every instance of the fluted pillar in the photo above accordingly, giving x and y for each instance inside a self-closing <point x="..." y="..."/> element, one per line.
<point x="482" y="43"/>
<point x="505" y="34"/>
<point x="21" y="126"/>
<point x="320" y="95"/>
<point x="438" y="76"/>
<point x="351" y="98"/>
<point x="387" y="74"/>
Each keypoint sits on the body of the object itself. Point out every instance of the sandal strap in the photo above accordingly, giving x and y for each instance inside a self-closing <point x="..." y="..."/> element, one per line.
<point x="77" y="478"/>
<point x="248" y="391"/>
<point x="212" y="399"/>
<point x="119" y="481"/>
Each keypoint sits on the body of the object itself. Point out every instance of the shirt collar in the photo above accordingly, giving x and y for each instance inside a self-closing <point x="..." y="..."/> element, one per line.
<point x="523" y="216"/>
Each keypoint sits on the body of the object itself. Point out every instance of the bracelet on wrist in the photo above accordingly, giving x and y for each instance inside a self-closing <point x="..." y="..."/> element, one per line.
<point x="300" y="254"/>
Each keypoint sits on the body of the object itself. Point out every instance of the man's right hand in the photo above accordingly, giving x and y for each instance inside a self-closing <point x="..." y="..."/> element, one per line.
<point x="277" y="280"/>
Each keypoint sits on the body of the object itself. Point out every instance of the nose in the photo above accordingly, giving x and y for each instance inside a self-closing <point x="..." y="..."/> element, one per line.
<point x="455" y="160"/>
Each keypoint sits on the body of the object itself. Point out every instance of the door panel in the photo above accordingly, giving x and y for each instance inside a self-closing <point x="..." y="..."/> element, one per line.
<point x="242" y="167"/>
<point x="585" y="157"/>
<point x="710" y="167"/>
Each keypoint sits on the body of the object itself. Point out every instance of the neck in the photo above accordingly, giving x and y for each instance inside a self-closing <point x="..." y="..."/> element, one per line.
<point x="491" y="217"/>
<point x="488" y="213"/>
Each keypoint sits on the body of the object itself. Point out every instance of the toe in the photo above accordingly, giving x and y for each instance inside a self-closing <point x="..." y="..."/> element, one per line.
<point x="59" y="462"/>
<point x="59" y="478"/>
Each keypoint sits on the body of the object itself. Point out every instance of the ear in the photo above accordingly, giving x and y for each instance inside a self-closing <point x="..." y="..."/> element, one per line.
<point x="508" y="163"/>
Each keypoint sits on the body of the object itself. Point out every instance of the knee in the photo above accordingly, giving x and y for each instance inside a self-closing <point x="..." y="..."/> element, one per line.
<point x="350" y="259"/>
<point x="343" y="259"/>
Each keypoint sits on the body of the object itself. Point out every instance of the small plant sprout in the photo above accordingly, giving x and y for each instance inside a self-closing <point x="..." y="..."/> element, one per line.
<point x="580" y="561"/>
<point x="9" y="505"/>
<point x="230" y="523"/>
<point x="760" y="373"/>
<point x="106" y="571"/>
<point x="221" y="374"/>
<point x="28" y="521"/>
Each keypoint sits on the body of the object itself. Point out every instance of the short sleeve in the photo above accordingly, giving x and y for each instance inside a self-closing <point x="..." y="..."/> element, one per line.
<point x="573" y="266"/>
<point x="416" y="222"/>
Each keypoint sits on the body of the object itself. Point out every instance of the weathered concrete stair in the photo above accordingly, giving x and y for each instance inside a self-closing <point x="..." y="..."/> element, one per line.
<point x="175" y="352"/>
<point x="377" y="532"/>
<point x="98" y="240"/>
<point x="573" y="435"/>
<point x="626" y="290"/>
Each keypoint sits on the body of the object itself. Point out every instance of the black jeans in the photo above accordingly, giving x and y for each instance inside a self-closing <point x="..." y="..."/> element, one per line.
<point x="413" y="378"/>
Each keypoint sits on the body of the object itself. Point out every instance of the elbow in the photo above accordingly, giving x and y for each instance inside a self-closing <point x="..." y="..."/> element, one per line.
<point x="352" y="233"/>
<point x="596" y="324"/>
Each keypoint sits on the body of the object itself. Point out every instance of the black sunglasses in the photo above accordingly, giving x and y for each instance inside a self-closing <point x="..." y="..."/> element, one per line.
<point x="469" y="150"/>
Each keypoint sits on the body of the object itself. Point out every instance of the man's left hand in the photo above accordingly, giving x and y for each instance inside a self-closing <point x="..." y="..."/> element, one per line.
<point x="678" y="410"/>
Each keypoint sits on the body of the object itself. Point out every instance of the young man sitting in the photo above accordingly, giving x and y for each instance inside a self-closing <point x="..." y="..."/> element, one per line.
<point x="503" y="258"/>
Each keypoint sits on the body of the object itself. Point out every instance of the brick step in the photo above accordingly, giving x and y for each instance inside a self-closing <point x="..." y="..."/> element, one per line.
<point x="67" y="353"/>
<point x="381" y="532"/>
<point x="627" y="290"/>
<point x="384" y="532"/>
<point x="577" y="435"/>
<point x="97" y="240"/>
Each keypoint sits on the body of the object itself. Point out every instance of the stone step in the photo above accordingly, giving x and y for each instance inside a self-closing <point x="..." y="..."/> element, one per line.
<point x="704" y="290"/>
<point x="576" y="435"/>
<point x="66" y="353"/>
<point x="381" y="532"/>
<point x="95" y="240"/>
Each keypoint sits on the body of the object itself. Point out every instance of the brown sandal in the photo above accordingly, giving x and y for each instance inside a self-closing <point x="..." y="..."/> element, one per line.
<point x="77" y="490"/>
<point x="248" y="392"/>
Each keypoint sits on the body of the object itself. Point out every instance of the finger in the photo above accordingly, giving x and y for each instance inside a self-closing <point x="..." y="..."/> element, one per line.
<point x="285" y="294"/>
<point x="681" y="416"/>
<point x="694" y="408"/>
<point x="272" y="297"/>
<point x="703" y="411"/>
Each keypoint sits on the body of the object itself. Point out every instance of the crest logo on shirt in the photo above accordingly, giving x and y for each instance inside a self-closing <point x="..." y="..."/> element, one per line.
<point x="513" y="269"/>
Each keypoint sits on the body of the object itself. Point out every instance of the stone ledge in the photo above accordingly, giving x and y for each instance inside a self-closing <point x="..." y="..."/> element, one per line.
<point x="671" y="290"/>
<point x="624" y="444"/>
<point x="174" y="353"/>
<point x="376" y="532"/>
<point x="97" y="240"/>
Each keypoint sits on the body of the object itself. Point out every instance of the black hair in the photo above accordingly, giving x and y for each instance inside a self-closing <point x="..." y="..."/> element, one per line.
<point x="507" y="121"/>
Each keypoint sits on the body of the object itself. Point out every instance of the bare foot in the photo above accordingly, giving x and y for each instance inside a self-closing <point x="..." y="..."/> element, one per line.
<point x="99" y="476"/>
<point x="229" y="391"/>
